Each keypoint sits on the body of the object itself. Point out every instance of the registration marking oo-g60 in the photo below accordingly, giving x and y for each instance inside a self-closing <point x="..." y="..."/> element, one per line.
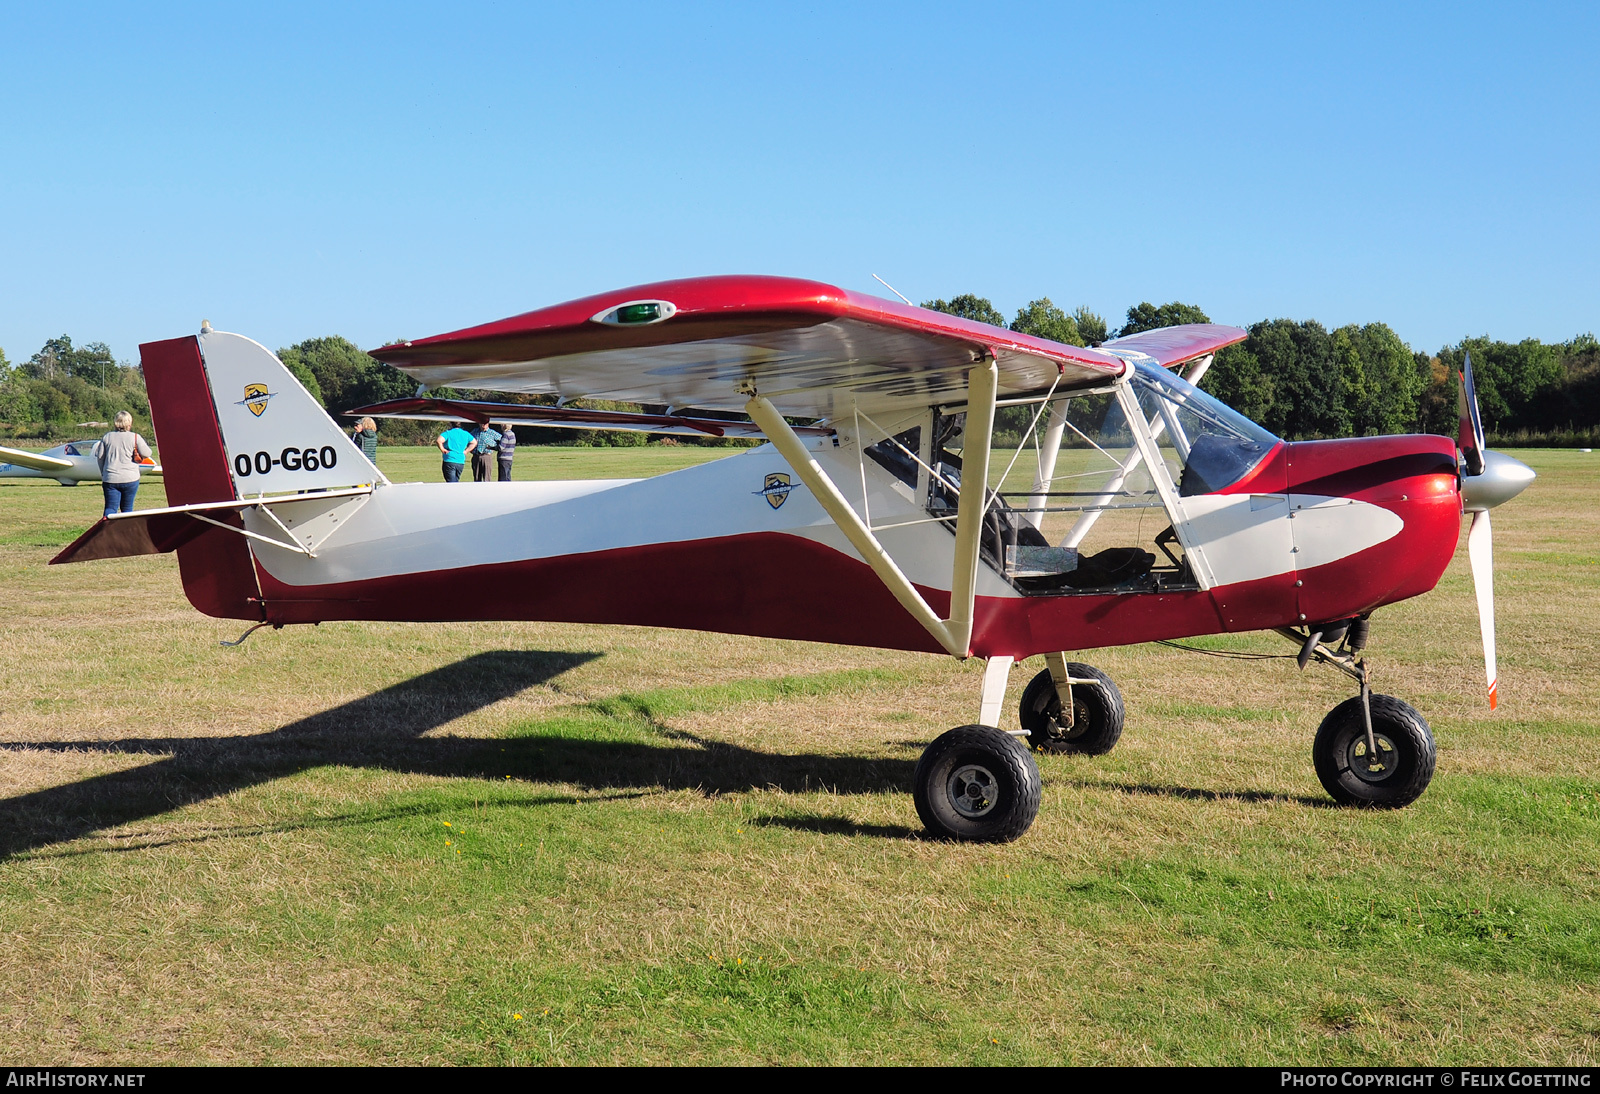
<point x="290" y="459"/>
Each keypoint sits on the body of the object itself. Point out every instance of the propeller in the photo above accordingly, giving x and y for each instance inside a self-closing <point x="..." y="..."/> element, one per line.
<point x="1469" y="434"/>
<point x="1487" y="479"/>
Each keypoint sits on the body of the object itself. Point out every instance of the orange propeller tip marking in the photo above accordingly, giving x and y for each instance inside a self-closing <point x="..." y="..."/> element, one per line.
<point x="1494" y="694"/>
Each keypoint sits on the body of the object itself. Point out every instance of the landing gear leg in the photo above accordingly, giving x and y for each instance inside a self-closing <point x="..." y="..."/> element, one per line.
<point x="995" y="674"/>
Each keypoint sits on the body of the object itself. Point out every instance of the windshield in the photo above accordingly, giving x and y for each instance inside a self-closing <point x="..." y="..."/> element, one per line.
<point x="1214" y="444"/>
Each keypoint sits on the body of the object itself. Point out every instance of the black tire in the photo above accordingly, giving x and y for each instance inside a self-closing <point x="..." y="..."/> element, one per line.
<point x="1404" y="742"/>
<point x="977" y="784"/>
<point x="1097" y="713"/>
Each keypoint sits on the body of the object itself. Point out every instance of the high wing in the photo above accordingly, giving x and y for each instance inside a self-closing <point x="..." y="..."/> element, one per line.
<point x="813" y="350"/>
<point x="471" y="410"/>
<point x="1170" y="346"/>
<point x="35" y="461"/>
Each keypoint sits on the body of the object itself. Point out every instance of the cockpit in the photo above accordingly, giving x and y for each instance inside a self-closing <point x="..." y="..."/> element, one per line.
<point x="1084" y="484"/>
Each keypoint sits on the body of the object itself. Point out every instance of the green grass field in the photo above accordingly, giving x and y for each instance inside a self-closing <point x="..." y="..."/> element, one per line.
<point x="505" y="843"/>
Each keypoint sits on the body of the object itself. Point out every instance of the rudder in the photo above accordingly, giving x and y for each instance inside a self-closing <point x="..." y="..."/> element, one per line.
<point x="218" y="571"/>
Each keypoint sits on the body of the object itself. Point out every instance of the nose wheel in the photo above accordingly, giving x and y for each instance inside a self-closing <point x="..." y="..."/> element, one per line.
<point x="1372" y="750"/>
<point x="1386" y="770"/>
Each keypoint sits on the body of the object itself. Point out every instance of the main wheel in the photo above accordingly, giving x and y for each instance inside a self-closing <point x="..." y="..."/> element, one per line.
<point x="1395" y="775"/>
<point x="976" y="783"/>
<point x="1097" y="713"/>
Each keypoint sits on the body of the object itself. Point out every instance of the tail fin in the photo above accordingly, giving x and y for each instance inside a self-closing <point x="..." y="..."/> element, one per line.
<point x="232" y="421"/>
<point x="277" y="436"/>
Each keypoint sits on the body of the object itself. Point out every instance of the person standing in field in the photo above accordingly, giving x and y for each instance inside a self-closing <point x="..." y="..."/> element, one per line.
<point x="486" y="438"/>
<point x="366" y="436"/>
<point x="119" y="454"/>
<point x="455" y="443"/>
<point x="506" y="450"/>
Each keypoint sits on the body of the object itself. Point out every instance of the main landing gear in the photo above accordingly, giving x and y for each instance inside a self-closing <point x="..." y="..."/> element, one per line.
<point x="981" y="784"/>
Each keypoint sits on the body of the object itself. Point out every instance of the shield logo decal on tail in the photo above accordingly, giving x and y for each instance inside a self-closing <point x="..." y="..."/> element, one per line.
<point x="255" y="398"/>
<point x="776" y="489"/>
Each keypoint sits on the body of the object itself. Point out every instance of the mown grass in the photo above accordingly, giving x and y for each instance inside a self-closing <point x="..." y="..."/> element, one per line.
<point x="539" y="843"/>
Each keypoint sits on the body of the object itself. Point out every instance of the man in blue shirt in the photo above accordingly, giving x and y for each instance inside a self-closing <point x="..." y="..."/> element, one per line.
<point x="455" y="443"/>
<point x="485" y="440"/>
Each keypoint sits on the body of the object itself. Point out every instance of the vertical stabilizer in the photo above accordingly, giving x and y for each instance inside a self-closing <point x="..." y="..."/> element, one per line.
<point x="277" y="436"/>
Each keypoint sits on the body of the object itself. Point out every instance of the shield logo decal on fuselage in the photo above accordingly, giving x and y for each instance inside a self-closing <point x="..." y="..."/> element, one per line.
<point x="255" y="398"/>
<point x="776" y="489"/>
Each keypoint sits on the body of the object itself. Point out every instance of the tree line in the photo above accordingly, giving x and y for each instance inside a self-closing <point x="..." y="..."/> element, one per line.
<point x="1295" y="377"/>
<point x="1301" y="380"/>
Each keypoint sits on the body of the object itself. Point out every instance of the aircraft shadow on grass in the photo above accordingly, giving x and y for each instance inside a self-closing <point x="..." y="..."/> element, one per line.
<point x="385" y="730"/>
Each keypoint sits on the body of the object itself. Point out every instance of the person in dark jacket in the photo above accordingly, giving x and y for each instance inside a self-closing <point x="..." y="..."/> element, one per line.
<point x="366" y="437"/>
<point x="505" y="450"/>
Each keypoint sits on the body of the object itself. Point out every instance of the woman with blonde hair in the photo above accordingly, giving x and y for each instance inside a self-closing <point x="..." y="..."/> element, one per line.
<point x="119" y="454"/>
<point x="366" y="435"/>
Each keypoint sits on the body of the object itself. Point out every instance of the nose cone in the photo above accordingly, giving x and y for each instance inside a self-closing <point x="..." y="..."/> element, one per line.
<point x="1503" y="478"/>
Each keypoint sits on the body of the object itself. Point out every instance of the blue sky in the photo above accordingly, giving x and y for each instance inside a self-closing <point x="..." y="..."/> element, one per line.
<point x="399" y="170"/>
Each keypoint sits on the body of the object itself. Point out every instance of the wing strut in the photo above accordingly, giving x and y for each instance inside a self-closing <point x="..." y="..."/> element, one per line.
<point x="955" y="633"/>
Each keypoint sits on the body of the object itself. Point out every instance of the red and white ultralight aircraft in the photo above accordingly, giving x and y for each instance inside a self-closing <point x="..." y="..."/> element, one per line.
<point x="1145" y="510"/>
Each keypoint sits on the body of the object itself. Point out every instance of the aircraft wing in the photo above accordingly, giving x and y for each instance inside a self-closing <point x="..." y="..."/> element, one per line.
<point x="1168" y="346"/>
<point x="812" y="349"/>
<point x="465" y="410"/>
<point x="35" y="461"/>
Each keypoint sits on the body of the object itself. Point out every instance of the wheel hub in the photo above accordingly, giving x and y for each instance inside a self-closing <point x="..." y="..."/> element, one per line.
<point x="1080" y="721"/>
<point x="1369" y="766"/>
<point x="973" y="790"/>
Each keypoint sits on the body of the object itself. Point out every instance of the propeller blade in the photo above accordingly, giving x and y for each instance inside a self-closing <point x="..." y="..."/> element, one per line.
<point x="1469" y="435"/>
<point x="1480" y="553"/>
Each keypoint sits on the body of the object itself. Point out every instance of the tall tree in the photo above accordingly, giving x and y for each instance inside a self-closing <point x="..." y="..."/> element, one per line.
<point x="1378" y="379"/>
<point x="1514" y="381"/>
<point x="968" y="306"/>
<point x="1042" y="319"/>
<point x="59" y="358"/>
<point x="343" y="377"/>
<point x="1147" y="316"/>
<point x="1237" y="378"/>
<point x="1090" y="325"/>
<point x="1298" y="358"/>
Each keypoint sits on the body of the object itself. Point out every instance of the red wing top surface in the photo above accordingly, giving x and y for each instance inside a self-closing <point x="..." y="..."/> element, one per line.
<point x="802" y="344"/>
<point x="1168" y="346"/>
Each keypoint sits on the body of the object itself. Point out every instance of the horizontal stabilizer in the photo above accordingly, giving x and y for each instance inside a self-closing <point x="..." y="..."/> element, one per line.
<point x="153" y="532"/>
<point x="1168" y="346"/>
<point x="157" y="531"/>
<point x="564" y="417"/>
<point x="34" y="461"/>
